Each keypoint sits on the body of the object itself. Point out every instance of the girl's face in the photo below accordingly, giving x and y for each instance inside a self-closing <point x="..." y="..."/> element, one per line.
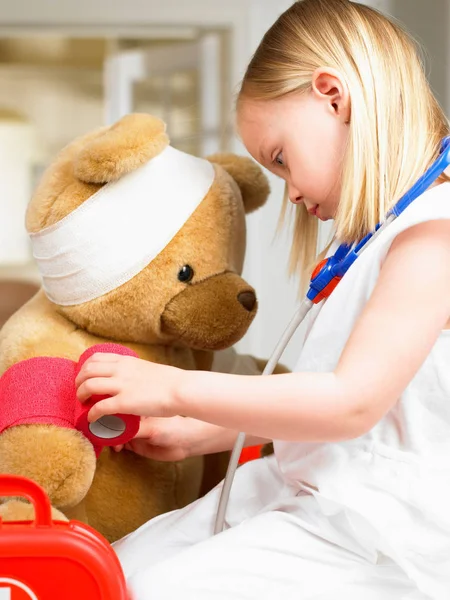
<point x="302" y="138"/>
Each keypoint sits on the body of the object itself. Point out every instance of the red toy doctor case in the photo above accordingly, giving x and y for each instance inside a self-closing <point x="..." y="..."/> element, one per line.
<point x="45" y="560"/>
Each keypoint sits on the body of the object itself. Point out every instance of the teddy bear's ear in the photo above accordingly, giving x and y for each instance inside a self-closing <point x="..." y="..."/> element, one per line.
<point x="248" y="175"/>
<point x="120" y="149"/>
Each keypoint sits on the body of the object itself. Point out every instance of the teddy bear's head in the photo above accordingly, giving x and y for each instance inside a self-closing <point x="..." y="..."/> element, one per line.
<point x="138" y="242"/>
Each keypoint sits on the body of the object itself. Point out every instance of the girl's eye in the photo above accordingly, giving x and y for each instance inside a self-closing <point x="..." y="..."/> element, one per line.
<point x="279" y="159"/>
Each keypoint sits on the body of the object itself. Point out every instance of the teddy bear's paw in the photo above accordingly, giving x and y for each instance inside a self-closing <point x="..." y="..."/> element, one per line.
<point x="60" y="460"/>
<point x="17" y="510"/>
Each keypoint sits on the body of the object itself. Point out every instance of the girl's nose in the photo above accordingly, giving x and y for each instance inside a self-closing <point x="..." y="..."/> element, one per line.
<point x="294" y="195"/>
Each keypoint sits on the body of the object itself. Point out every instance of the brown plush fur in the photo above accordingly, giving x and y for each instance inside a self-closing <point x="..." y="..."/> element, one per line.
<point x="124" y="147"/>
<point x="214" y="323"/>
<point x="249" y="177"/>
<point x="161" y="318"/>
<point x="69" y="480"/>
<point x="210" y="242"/>
<point x="16" y="510"/>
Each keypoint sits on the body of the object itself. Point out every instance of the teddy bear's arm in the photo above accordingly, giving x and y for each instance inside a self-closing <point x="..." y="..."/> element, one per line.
<point x="60" y="459"/>
<point x="36" y="329"/>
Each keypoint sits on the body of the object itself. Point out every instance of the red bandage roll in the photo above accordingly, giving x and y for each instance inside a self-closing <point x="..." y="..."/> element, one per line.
<point x="42" y="390"/>
<point x="111" y="430"/>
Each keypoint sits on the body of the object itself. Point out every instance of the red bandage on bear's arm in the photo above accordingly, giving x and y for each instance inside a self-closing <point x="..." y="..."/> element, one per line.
<point x="38" y="390"/>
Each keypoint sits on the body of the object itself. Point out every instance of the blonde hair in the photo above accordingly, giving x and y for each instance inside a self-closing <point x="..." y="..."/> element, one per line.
<point x="396" y="124"/>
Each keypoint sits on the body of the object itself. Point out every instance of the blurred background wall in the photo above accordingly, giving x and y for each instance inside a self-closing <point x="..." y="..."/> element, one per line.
<point x="68" y="67"/>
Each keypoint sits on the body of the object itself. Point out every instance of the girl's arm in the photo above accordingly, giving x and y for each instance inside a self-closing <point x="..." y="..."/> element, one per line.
<point x="393" y="336"/>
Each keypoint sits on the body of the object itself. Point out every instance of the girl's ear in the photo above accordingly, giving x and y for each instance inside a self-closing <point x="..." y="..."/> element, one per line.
<point x="248" y="175"/>
<point x="328" y="85"/>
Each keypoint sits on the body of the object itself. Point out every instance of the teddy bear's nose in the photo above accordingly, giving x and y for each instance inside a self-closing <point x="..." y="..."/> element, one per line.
<point x="247" y="299"/>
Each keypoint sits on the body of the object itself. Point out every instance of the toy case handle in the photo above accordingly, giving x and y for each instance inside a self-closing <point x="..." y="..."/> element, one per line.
<point x="13" y="485"/>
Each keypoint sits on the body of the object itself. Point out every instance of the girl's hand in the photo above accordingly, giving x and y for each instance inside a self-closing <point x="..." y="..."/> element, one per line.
<point x="134" y="386"/>
<point x="177" y="438"/>
<point x="164" y="439"/>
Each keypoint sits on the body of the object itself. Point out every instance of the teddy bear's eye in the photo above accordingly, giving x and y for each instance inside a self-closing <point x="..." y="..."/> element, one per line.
<point x="185" y="274"/>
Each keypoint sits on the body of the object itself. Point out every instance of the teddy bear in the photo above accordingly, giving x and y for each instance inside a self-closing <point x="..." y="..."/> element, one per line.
<point x="142" y="245"/>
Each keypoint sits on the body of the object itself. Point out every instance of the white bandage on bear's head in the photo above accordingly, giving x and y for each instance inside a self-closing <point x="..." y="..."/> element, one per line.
<point x="119" y="230"/>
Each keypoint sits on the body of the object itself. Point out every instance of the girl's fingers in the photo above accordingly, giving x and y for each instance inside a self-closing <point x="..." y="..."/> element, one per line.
<point x="95" y="369"/>
<point x="148" y="427"/>
<point x="98" y="386"/>
<point x="110" y="406"/>
<point x="104" y="357"/>
<point x="103" y="408"/>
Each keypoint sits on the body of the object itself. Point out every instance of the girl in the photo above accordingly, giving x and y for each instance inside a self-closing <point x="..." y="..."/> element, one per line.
<point x="355" y="502"/>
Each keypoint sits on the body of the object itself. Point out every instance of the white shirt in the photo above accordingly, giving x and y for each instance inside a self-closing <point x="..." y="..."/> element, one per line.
<point x="392" y="484"/>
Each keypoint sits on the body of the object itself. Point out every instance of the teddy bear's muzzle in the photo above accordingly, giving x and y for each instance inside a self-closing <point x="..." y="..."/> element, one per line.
<point x="213" y="314"/>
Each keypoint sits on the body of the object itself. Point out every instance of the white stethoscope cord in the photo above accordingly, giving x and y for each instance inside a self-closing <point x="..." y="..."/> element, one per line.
<point x="297" y="319"/>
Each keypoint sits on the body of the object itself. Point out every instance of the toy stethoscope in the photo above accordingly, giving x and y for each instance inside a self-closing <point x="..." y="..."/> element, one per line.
<point x="325" y="278"/>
